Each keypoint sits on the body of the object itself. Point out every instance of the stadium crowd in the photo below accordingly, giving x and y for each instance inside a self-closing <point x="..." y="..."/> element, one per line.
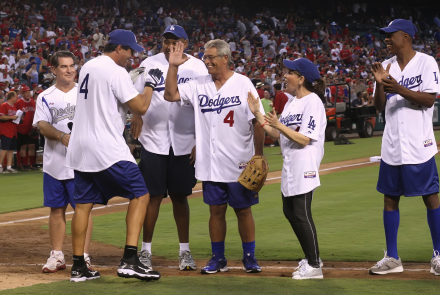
<point x="341" y="39"/>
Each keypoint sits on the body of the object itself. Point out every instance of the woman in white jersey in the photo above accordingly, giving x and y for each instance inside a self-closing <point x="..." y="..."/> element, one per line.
<point x="301" y="129"/>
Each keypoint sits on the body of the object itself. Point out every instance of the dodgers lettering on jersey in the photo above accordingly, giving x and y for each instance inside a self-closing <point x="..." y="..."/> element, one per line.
<point x="409" y="126"/>
<point x="223" y="124"/>
<point x="301" y="164"/>
<point x="217" y="104"/>
<point x="58" y="109"/>
<point x="166" y="124"/>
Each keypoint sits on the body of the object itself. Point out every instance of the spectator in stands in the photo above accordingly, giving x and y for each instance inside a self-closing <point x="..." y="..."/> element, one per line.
<point x="358" y="101"/>
<point x="280" y="99"/>
<point x="267" y="102"/>
<point x="8" y="132"/>
<point x="32" y="74"/>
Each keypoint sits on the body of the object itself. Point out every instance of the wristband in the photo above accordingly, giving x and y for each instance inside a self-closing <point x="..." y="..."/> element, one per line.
<point x="262" y="125"/>
<point x="61" y="138"/>
<point x="149" y="84"/>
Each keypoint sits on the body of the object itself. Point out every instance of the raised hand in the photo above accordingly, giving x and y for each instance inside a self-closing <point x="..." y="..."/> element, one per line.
<point x="177" y="57"/>
<point x="379" y="72"/>
<point x="272" y="119"/>
<point x="253" y="103"/>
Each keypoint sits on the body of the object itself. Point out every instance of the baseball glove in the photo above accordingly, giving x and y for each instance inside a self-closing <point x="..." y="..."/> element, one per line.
<point x="255" y="173"/>
<point x="134" y="74"/>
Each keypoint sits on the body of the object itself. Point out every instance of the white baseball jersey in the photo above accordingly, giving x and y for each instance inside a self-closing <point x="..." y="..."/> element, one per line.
<point x="223" y="122"/>
<point x="301" y="164"/>
<point x="408" y="137"/>
<point x="58" y="109"/>
<point x="96" y="142"/>
<point x="166" y="124"/>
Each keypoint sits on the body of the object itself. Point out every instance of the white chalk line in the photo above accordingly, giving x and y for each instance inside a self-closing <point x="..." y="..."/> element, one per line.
<point x="197" y="191"/>
<point x="230" y="267"/>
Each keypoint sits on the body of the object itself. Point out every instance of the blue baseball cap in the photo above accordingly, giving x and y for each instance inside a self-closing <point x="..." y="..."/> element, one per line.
<point x="305" y="67"/>
<point x="400" y="25"/>
<point x="177" y="31"/>
<point x="125" y="38"/>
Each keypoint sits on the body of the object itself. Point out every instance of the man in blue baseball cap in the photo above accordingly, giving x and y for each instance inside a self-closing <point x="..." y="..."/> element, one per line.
<point x="125" y="38"/>
<point x="167" y="158"/>
<point x="406" y="87"/>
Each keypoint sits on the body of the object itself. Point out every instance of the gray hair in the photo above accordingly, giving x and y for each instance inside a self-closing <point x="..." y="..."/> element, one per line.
<point x="222" y="48"/>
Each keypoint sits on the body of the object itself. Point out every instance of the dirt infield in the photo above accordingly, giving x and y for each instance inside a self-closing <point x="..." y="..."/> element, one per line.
<point x="28" y="248"/>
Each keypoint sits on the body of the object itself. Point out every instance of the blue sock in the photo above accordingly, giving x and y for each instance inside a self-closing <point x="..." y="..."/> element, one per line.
<point x="248" y="247"/>
<point x="218" y="248"/>
<point x="434" y="225"/>
<point x="391" y="220"/>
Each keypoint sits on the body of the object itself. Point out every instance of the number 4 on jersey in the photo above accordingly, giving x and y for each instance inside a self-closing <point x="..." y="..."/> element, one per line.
<point x="229" y="119"/>
<point x="84" y="86"/>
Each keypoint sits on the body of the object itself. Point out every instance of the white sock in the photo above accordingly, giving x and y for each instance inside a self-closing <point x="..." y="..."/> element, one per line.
<point x="56" y="253"/>
<point x="86" y="255"/>
<point x="184" y="247"/>
<point x="146" y="246"/>
<point x="9" y="167"/>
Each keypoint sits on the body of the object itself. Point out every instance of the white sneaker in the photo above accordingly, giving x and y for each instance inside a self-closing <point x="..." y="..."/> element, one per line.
<point x="10" y="170"/>
<point x="387" y="265"/>
<point x="145" y="259"/>
<point x="54" y="262"/>
<point x="306" y="272"/>
<point x="302" y="262"/>
<point x="186" y="261"/>
<point x="435" y="264"/>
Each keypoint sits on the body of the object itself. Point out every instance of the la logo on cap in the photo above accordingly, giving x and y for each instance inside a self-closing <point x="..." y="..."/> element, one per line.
<point x="172" y="28"/>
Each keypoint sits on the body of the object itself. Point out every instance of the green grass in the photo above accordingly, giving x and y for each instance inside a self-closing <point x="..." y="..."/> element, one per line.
<point x="347" y="211"/>
<point x="221" y="285"/>
<point x="21" y="191"/>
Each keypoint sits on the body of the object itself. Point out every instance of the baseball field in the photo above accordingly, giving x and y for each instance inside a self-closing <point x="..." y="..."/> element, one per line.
<point x="347" y="211"/>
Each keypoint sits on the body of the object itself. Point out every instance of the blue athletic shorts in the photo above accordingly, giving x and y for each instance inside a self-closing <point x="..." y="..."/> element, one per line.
<point x="408" y="180"/>
<point x="123" y="179"/>
<point x="57" y="193"/>
<point x="233" y="193"/>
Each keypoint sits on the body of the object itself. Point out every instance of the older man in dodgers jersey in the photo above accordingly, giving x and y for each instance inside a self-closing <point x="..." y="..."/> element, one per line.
<point x="168" y="139"/>
<point x="55" y="109"/>
<point x="406" y="87"/>
<point x="225" y="131"/>
<point x="102" y="162"/>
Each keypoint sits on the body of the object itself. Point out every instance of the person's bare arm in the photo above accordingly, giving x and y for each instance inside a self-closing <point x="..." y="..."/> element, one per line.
<point x="51" y="133"/>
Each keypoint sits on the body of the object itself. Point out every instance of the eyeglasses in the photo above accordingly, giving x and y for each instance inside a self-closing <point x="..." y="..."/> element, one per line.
<point x="210" y="57"/>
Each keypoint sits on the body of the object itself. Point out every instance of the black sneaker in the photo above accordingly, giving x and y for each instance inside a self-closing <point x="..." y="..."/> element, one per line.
<point x="133" y="268"/>
<point x="83" y="274"/>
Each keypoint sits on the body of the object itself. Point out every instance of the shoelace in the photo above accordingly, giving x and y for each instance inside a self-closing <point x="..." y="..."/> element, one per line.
<point x="301" y="263"/>
<point x="186" y="257"/>
<point x="436" y="259"/>
<point x="304" y="269"/>
<point x="383" y="260"/>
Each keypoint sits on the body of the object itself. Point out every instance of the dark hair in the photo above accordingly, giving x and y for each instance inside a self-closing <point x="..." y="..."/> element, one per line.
<point x="110" y="47"/>
<point x="61" y="53"/>
<point x="10" y="95"/>
<point x="318" y="86"/>
<point x="277" y="86"/>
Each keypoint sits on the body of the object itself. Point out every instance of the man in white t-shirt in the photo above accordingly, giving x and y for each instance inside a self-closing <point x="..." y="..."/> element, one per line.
<point x="102" y="162"/>
<point x="225" y="133"/>
<point x="55" y="110"/>
<point x="406" y="87"/>
<point x="168" y="148"/>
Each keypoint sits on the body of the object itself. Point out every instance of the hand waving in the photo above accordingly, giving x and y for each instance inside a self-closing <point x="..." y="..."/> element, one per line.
<point x="177" y="57"/>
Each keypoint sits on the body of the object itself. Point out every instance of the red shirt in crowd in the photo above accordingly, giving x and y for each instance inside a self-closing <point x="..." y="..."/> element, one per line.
<point x="279" y="102"/>
<point x="260" y="92"/>
<point x="4" y="29"/>
<point x="340" y="94"/>
<point x="345" y="55"/>
<point x="7" y="128"/>
<point x="28" y="108"/>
